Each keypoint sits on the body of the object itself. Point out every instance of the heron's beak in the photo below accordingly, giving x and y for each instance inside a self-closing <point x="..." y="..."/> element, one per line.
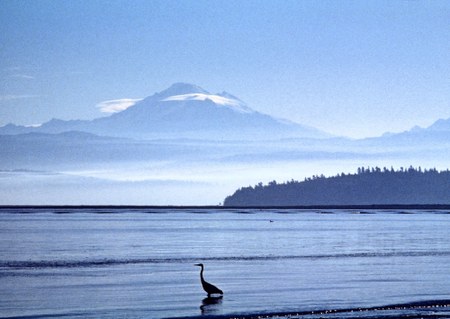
<point x="197" y="265"/>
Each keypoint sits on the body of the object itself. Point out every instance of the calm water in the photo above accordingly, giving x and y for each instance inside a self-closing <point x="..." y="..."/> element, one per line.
<point x="123" y="263"/>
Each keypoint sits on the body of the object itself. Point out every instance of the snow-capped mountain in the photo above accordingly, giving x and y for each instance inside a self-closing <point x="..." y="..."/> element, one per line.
<point x="182" y="111"/>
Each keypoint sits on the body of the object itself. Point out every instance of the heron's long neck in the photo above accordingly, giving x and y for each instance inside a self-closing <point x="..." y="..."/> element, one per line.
<point x="201" y="275"/>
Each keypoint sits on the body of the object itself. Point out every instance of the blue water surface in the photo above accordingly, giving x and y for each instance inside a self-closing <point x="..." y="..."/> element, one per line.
<point x="139" y="263"/>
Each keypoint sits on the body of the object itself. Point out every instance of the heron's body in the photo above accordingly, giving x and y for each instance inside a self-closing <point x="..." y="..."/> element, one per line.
<point x="209" y="288"/>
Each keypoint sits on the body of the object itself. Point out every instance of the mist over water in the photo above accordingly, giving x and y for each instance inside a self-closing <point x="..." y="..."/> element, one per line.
<point x="199" y="182"/>
<point x="138" y="263"/>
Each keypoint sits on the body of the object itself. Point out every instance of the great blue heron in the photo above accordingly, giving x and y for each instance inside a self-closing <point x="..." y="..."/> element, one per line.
<point x="209" y="288"/>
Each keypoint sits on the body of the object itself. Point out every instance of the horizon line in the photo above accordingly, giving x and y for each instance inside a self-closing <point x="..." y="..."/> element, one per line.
<point x="222" y="207"/>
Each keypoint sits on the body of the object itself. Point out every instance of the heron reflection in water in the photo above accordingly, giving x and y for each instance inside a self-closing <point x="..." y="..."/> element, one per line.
<point x="211" y="305"/>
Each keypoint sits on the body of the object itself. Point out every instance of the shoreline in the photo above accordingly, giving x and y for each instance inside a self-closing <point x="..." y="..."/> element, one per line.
<point x="218" y="207"/>
<point x="432" y="309"/>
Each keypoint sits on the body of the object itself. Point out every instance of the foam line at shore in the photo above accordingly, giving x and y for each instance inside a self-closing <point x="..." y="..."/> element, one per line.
<point x="429" y="309"/>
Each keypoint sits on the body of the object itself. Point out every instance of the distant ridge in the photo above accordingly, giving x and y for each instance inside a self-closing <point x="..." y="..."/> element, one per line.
<point x="367" y="187"/>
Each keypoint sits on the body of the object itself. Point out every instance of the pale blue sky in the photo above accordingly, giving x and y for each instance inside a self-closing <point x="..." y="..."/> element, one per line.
<point x="355" y="68"/>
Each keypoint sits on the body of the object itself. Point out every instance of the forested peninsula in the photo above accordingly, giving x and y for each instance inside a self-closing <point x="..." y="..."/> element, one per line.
<point x="369" y="186"/>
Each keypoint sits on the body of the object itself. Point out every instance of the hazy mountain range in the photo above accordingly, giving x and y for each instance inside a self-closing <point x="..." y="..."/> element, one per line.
<point x="181" y="111"/>
<point x="188" y="111"/>
<point x="184" y="138"/>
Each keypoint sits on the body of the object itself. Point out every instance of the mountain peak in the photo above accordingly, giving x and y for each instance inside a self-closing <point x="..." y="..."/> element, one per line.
<point x="183" y="110"/>
<point x="186" y="92"/>
<point x="181" y="88"/>
<point x="440" y="125"/>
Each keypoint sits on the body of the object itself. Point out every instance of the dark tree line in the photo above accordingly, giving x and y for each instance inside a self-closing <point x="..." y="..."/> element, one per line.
<point x="369" y="186"/>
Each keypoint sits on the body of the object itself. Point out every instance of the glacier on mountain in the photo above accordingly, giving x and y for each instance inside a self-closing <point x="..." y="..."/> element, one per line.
<point x="234" y="104"/>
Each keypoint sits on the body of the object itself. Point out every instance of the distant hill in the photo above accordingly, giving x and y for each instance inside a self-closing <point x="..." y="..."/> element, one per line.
<point x="181" y="111"/>
<point x="367" y="187"/>
<point x="79" y="150"/>
<point x="433" y="136"/>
